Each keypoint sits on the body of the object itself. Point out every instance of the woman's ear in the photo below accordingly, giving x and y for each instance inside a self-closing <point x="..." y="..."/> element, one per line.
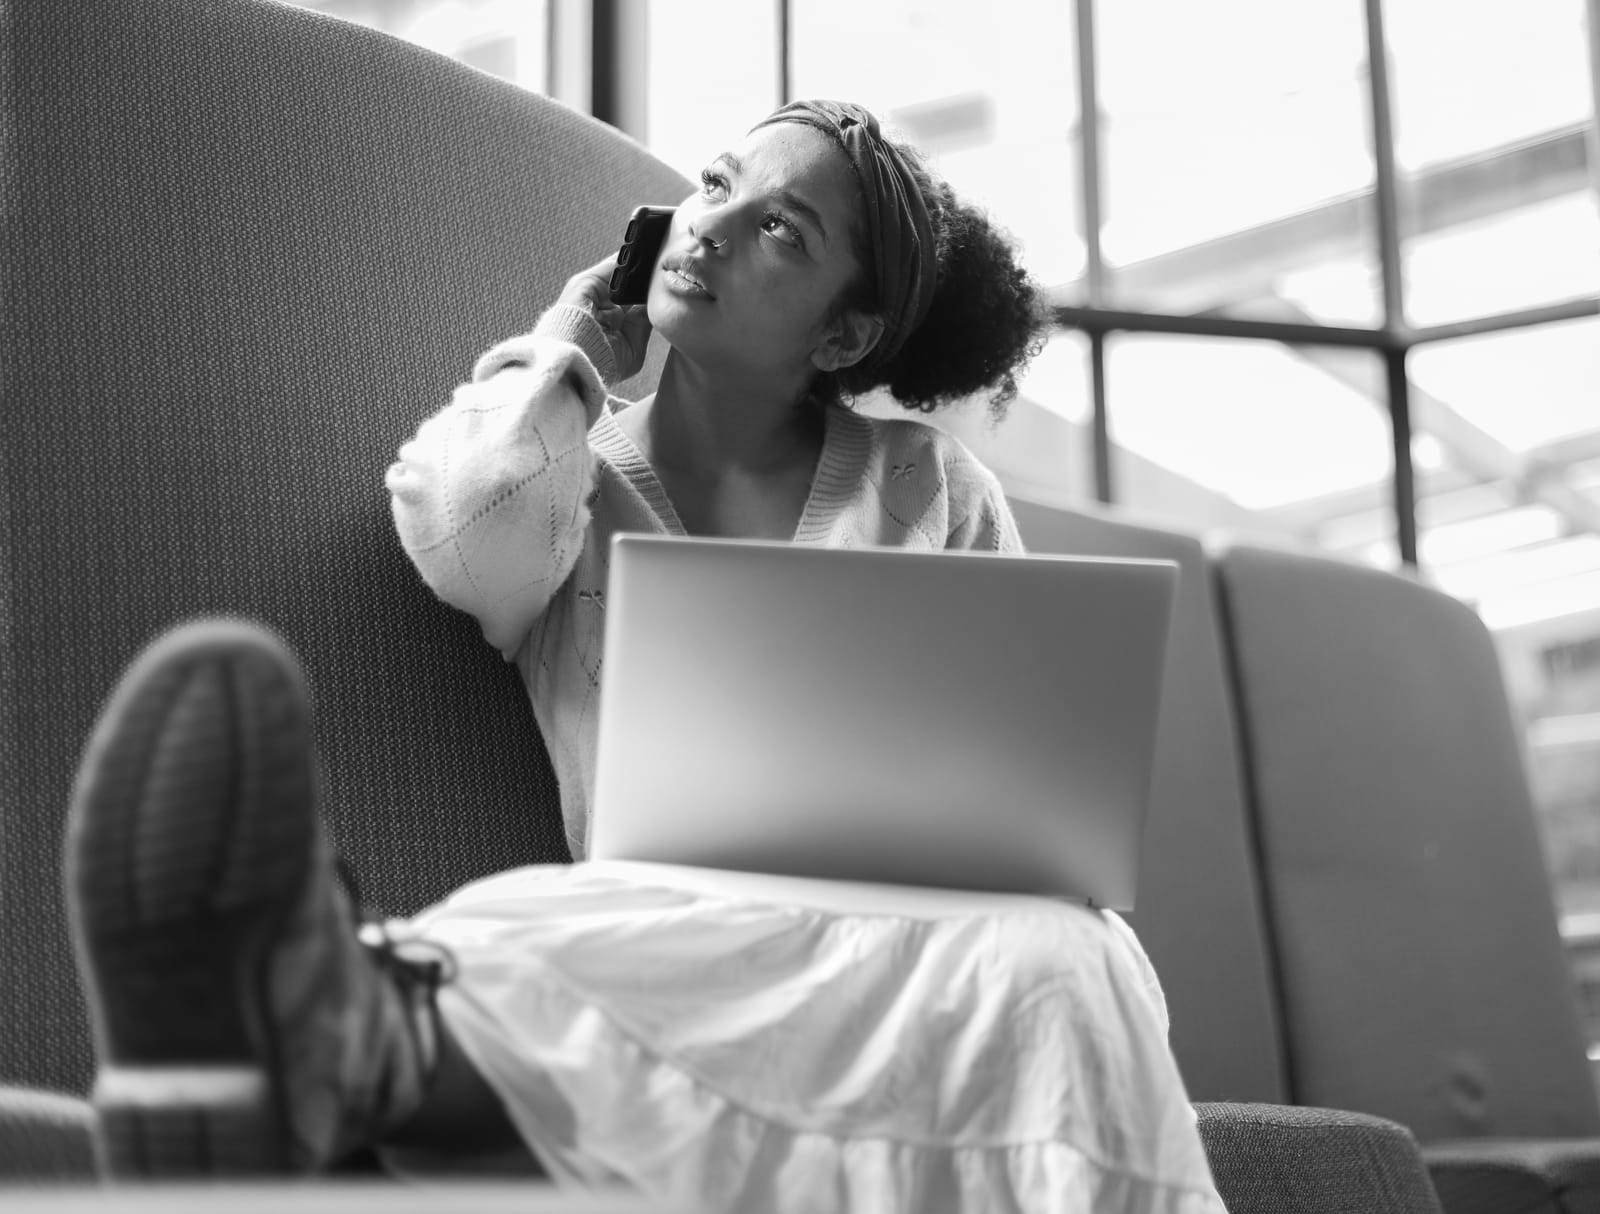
<point x="848" y="339"/>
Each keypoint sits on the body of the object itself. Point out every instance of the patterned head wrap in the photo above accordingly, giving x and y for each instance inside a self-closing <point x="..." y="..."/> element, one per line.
<point x="899" y="228"/>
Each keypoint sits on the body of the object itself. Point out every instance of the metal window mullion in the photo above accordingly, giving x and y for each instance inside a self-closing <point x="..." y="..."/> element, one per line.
<point x="603" y="65"/>
<point x="1089" y="177"/>
<point x="785" y="65"/>
<point x="1405" y="494"/>
<point x="620" y="65"/>
<point x="551" y="57"/>
<point x="1384" y="169"/>
<point x="1101" y="430"/>
<point x="1394" y="321"/>
<point x="1089" y="152"/>
<point x="1593" y="13"/>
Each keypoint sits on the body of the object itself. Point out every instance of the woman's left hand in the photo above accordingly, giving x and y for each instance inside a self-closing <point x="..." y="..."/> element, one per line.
<point x="627" y="326"/>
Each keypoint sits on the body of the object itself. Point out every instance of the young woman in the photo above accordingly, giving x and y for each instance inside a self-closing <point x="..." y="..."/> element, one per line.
<point x="730" y="1042"/>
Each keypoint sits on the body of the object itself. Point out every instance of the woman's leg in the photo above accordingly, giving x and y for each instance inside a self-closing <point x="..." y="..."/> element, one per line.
<point x="241" y="1026"/>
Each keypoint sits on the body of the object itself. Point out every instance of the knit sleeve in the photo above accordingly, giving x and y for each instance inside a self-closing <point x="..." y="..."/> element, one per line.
<point x="490" y="497"/>
<point x="981" y="514"/>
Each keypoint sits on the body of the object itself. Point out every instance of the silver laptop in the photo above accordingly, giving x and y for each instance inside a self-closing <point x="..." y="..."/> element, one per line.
<point x="965" y="720"/>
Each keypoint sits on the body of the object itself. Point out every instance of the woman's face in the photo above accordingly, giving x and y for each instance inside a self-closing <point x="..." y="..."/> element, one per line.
<point x="757" y="259"/>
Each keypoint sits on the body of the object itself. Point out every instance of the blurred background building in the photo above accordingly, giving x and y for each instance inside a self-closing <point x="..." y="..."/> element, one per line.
<point x="1328" y="273"/>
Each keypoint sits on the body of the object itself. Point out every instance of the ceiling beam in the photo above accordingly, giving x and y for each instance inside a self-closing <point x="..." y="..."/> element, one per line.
<point x="1247" y="263"/>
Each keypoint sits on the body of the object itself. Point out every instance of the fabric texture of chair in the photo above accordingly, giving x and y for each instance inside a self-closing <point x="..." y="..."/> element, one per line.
<point x="1272" y="1159"/>
<point x="44" y="1136"/>
<point x="1199" y="906"/>
<point x="246" y="249"/>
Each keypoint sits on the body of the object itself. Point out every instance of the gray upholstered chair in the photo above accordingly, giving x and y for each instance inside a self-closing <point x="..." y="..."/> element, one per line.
<point x="245" y="250"/>
<point x="1282" y="1159"/>
<point x="1420" y="964"/>
<point x="1200" y="911"/>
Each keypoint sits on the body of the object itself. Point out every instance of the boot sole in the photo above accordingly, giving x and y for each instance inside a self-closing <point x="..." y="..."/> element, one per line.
<point x="189" y="841"/>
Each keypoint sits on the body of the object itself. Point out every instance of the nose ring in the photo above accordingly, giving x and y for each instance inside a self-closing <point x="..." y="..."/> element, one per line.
<point x="716" y="244"/>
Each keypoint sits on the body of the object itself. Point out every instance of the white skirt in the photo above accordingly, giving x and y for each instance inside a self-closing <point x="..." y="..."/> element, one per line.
<point x="738" y="1042"/>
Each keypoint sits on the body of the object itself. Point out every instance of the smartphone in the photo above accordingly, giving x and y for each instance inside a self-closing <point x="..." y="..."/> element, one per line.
<point x="636" y="259"/>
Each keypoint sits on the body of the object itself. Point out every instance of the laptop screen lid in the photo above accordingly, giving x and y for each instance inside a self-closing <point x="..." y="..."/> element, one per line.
<point x="956" y="719"/>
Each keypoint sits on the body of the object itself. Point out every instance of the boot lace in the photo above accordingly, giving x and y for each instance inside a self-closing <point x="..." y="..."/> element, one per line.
<point x="418" y="967"/>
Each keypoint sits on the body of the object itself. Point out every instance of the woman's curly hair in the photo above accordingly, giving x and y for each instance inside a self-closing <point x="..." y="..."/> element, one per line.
<point x="986" y="321"/>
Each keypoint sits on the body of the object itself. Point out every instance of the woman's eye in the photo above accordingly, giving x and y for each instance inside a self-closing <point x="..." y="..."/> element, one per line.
<point x="712" y="185"/>
<point x="776" y="225"/>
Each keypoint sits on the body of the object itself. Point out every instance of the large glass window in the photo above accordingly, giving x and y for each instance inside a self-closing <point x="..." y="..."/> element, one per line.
<point x="713" y="73"/>
<point x="506" y="38"/>
<point x="1525" y="389"/>
<point x="996" y="112"/>
<point x="1283" y="444"/>
<point x="1492" y="111"/>
<point x="1513" y="526"/>
<point x="1238" y="164"/>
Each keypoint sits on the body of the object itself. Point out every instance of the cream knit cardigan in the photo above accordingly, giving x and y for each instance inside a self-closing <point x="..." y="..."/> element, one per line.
<point x="507" y="498"/>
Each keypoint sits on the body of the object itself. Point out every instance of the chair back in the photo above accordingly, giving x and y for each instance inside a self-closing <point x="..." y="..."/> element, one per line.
<point x="246" y="250"/>
<point x="1198" y="908"/>
<point x="1421" y="966"/>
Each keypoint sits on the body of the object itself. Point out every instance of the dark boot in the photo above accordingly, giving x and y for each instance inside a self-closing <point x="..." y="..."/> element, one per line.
<point x="241" y="1026"/>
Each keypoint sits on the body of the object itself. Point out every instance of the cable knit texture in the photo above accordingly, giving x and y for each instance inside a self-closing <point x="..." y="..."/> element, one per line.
<point x="507" y="499"/>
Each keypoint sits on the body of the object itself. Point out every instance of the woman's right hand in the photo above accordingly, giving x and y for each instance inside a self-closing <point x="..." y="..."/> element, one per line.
<point x="627" y="326"/>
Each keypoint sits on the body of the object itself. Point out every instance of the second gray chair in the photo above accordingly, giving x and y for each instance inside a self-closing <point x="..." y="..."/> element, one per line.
<point x="1199" y="905"/>
<point x="1420" y="964"/>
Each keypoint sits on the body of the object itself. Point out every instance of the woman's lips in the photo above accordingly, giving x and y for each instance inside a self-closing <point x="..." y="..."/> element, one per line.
<point x="683" y="280"/>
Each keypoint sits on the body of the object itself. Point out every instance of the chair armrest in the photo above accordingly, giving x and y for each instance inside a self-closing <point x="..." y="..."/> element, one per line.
<point x="45" y="1136"/>
<point x="1493" y="1175"/>
<point x="1266" y="1159"/>
<point x="1281" y="1159"/>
